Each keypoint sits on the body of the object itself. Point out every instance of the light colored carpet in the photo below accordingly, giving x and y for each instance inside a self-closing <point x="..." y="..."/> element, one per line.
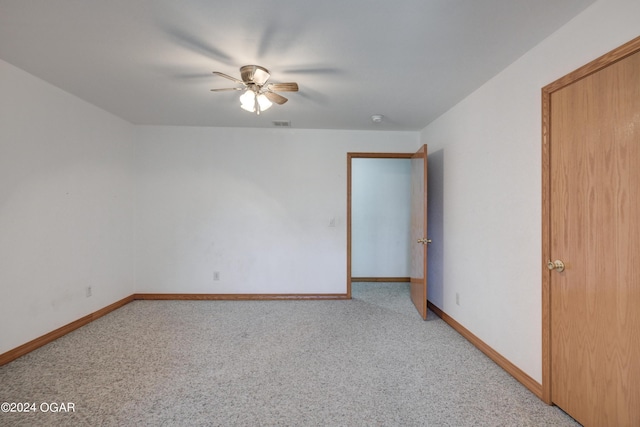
<point x="370" y="361"/>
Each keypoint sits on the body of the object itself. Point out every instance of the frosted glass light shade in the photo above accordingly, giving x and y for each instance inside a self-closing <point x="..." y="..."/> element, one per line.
<point x="263" y="102"/>
<point x="248" y="101"/>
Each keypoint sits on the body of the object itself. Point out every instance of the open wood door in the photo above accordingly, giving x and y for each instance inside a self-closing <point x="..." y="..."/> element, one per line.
<point x="419" y="238"/>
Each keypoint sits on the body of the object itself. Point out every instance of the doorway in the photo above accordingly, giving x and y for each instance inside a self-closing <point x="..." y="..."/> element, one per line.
<point x="364" y="174"/>
<point x="415" y="236"/>
<point x="380" y="219"/>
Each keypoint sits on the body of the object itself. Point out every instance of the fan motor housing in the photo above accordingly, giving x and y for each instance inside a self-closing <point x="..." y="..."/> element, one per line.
<point x="254" y="74"/>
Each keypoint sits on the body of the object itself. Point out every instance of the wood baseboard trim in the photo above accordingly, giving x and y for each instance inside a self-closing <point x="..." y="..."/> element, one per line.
<point x="240" y="297"/>
<point x="381" y="279"/>
<point x="28" y="347"/>
<point x="513" y="370"/>
<point x="63" y="330"/>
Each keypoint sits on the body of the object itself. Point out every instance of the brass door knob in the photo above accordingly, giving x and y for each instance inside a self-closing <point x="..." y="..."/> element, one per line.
<point x="556" y="265"/>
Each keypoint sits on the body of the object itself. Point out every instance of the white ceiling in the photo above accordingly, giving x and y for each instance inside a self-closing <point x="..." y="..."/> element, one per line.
<point x="150" y="61"/>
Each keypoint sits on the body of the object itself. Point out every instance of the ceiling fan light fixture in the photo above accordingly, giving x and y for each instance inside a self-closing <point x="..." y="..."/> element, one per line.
<point x="258" y="96"/>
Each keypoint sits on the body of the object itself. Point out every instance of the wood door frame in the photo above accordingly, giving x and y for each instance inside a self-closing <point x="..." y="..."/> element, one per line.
<point x="594" y="66"/>
<point x="361" y="156"/>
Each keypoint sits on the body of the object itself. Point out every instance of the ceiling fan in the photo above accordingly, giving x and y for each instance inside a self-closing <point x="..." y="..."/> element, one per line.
<point x="258" y="94"/>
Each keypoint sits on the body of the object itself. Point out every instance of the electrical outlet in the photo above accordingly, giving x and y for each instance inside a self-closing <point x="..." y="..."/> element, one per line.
<point x="457" y="298"/>
<point x="88" y="291"/>
<point x="216" y="275"/>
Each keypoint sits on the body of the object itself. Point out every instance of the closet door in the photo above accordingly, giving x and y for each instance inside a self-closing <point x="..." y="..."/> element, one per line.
<point x="594" y="255"/>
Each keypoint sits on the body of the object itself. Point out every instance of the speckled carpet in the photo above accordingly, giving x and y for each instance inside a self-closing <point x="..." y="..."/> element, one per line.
<point x="370" y="361"/>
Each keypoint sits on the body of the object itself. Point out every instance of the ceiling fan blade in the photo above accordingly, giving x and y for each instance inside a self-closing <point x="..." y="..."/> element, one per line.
<point x="254" y="74"/>
<point x="226" y="89"/>
<point x="274" y="97"/>
<point x="226" y="76"/>
<point x="283" y="87"/>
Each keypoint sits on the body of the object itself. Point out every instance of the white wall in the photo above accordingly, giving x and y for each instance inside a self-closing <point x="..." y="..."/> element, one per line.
<point x="485" y="188"/>
<point x="66" y="200"/>
<point x="252" y="204"/>
<point x="380" y="217"/>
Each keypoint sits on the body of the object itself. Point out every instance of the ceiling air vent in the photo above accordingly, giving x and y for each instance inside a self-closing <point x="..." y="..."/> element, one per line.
<point x="282" y="123"/>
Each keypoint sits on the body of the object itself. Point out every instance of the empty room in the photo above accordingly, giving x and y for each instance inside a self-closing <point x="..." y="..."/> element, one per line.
<point x="354" y="213"/>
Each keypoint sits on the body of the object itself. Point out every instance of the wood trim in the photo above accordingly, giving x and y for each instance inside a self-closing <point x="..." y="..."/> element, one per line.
<point x="510" y="368"/>
<point x="57" y="333"/>
<point x="381" y="279"/>
<point x="239" y="297"/>
<point x="596" y="65"/>
<point x="350" y="156"/>
<point x="546" y="249"/>
<point x="379" y="156"/>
